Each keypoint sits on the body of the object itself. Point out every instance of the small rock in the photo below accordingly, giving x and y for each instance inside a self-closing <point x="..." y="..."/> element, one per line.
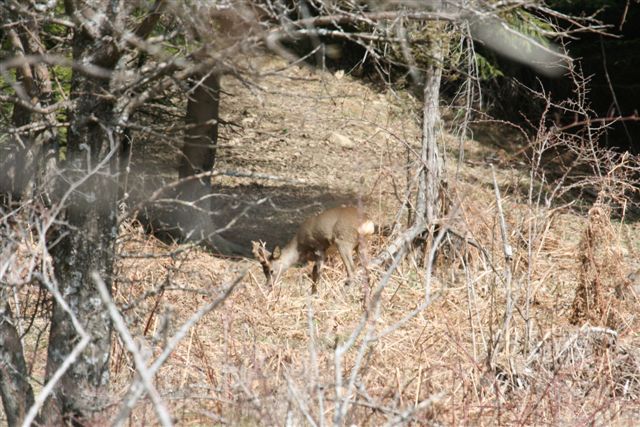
<point x="340" y="140"/>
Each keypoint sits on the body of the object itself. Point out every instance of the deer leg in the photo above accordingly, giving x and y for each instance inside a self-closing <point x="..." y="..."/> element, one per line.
<point x="345" y="250"/>
<point x="317" y="272"/>
<point x="366" y="288"/>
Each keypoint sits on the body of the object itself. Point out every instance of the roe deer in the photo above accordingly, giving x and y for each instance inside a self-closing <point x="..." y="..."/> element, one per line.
<point x="342" y="228"/>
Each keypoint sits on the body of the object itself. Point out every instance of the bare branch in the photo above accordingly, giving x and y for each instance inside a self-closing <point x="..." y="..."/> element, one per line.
<point x="136" y="391"/>
<point x="147" y="378"/>
<point x="90" y="70"/>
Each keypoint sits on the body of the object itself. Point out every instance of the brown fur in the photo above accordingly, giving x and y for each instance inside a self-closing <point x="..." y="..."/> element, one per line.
<point x="342" y="228"/>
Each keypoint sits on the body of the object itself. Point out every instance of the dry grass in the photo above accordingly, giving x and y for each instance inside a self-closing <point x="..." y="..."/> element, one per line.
<point x="265" y="356"/>
<point x="268" y="357"/>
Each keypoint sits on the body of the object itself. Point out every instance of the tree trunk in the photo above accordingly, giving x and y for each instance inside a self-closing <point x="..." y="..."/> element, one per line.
<point x="198" y="156"/>
<point x="22" y="168"/>
<point x="199" y="149"/>
<point x="428" y="201"/>
<point x="25" y="157"/>
<point x="17" y="395"/>
<point x="20" y="159"/>
<point x="428" y="206"/>
<point x="86" y="244"/>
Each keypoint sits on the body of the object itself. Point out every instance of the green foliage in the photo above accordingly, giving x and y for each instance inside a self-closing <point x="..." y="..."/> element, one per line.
<point x="420" y="41"/>
<point x="525" y="23"/>
<point x="6" y="108"/>
<point x="487" y="67"/>
<point x="486" y="64"/>
<point x="63" y="76"/>
<point x="530" y="25"/>
<point x="52" y="33"/>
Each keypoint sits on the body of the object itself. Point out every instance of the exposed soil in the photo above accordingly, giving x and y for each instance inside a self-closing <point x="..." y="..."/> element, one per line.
<point x="325" y="140"/>
<point x="303" y="140"/>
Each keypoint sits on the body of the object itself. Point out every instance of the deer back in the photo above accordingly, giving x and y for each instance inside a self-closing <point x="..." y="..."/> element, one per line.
<point x="321" y="231"/>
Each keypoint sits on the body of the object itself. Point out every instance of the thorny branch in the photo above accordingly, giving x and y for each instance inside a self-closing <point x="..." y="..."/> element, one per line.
<point x="136" y="390"/>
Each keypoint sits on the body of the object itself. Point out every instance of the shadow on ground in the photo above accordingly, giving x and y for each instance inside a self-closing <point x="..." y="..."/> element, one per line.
<point x="240" y="214"/>
<point x="270" y="214"/>
<point x="507" y="148"/>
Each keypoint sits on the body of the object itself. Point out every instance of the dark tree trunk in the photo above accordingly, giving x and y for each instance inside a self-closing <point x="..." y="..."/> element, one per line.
<point x="198" y="156"/>
<point x="199" y="149"/>
<point x="87" y="242"/>
<point x="19" y="160"/>
<point x="21" y="168"/>
<point x="17" y="395"/>
<point x="25" y="157"/>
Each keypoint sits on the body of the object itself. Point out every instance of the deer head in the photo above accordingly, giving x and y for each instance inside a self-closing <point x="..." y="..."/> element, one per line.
<point x="266" y="259"/>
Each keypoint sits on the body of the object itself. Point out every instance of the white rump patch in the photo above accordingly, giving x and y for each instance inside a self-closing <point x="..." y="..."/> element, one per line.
<point x="366" y="228"/>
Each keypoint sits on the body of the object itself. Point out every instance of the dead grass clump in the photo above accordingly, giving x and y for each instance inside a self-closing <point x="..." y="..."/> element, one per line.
<point x="626" y="372"/>
<point x="598" y="358"/>
<point x="600" y="271"/>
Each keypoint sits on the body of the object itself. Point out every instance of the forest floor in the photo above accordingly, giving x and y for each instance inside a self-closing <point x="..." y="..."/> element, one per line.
<point x="302" y="140"/>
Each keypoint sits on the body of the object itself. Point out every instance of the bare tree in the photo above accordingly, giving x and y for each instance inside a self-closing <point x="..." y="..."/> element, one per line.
<point x="17" y="396"/>
<point x="86" y="242"/>
<point x="69" y="144"/>
<point x="80" y="222"/>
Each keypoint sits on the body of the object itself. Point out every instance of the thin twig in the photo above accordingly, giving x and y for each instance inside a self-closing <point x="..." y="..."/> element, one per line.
<point x="147" y="378"/>
<point x="508" y="256"/>
<point x="136" y="391"/>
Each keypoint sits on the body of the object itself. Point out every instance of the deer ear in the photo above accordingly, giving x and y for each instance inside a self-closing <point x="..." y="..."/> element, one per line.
<point x="254" y="248"/>
<point x="276" y="253"/>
